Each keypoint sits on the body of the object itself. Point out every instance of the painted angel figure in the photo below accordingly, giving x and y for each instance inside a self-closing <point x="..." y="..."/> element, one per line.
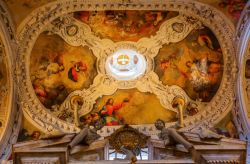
<point x="108" y="112"/>
<point x="199" y="75"/>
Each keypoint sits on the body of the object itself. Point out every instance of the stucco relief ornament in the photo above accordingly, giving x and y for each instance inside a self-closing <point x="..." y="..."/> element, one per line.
<point x="123" y="60"/>
<point x="241" y="111"/>
<point x="10" y="117"/>
<point x="173" y="30"/>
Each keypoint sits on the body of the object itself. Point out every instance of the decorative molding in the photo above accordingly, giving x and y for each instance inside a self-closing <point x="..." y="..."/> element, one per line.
<point x="41" y="160"/>
<point x="192" y="14"/>
<point x="242" y="105"/>
<point x="10" y="117"/>
<point x="128" y="136"/>
<point x="222" y="159"/>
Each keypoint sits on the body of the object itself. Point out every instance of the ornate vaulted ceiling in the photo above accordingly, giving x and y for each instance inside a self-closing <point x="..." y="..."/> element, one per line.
<point x="20" y="9"/>
<point x="71" y="55"/>
<point x="65" y="55"/>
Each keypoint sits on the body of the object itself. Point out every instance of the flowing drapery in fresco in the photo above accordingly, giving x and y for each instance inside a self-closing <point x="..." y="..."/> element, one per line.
<point x="195" y="64"/>
<point x="126" y="25"/>
<point x="57" y="69"/>
<point x="128" y="107"/>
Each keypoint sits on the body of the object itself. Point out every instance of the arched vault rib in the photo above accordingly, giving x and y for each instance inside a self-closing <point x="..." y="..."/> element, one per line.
<point x="10" y="117"/>
<point x="241" y="111"/>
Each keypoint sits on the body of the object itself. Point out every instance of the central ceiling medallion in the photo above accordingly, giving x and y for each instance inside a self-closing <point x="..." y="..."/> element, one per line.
<point x="125" y="64"/>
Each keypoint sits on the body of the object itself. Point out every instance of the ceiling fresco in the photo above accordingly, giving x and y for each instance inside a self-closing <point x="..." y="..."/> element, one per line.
<point x="65" y="55"/>
<point x="247" y="84"/>
<point x="195" y="64"/>
<point x="73" y="55"/>
<point x="20" y="9"/>
<point x="57" y="69"/>
<point x="247" y="89"/>
<point x="3" y="79"/>
<point x="28" y="131"/>
<point x="231" y="8"/>
<point x="124" y="25"/>
<point x="128" y="107"/>
<point x="4" y="85"/>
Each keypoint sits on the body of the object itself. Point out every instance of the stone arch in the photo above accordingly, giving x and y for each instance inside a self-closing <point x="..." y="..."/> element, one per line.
<point x="242" y="108"/>
<point x="10" y="116"/>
